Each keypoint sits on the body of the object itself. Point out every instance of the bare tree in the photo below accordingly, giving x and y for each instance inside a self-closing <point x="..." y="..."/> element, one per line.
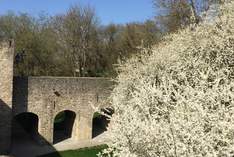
<point x="175" y="14"/>
<point x="77" y="31"/>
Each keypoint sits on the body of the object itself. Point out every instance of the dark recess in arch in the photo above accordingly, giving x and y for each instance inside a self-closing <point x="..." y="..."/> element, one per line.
<point x="25" y="126"/>
<point x="100" y="121"/>
<point x="63" y="125"/>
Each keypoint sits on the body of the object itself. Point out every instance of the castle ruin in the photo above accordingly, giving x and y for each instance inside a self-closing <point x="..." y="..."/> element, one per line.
<point x="36" y="101"/>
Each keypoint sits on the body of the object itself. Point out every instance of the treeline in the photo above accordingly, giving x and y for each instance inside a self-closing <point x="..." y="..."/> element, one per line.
<point x="76" y="44"/>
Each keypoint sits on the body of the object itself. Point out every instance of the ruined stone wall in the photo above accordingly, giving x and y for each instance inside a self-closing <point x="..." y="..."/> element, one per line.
<point x="47" y="96"/>
<point x="6" y="77"/>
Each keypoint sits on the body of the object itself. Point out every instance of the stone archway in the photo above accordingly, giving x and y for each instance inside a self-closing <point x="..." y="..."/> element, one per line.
<point x="100" y="121"/>
<point x="63" y="125"/>
<point x="25" y="126"/>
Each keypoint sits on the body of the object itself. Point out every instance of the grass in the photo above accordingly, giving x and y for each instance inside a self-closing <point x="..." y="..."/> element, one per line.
<point x="83" y="152"/>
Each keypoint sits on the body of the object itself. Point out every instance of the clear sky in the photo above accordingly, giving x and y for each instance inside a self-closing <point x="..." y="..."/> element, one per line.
<point x="108" y="11"/>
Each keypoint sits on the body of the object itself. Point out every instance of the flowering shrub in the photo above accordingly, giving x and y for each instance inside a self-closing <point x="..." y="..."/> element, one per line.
<point x="179" y="100"/>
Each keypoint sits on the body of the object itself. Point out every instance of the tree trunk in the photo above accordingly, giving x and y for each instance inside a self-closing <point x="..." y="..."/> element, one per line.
<point x="194" y="12"/>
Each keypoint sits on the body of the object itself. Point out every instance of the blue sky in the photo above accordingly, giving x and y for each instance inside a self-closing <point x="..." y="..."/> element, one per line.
<point x="108" y="11"/>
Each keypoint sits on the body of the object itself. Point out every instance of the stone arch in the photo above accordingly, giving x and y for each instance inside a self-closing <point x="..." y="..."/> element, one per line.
<point x="25" y="126"/>
<point x="63" y="125"/>
<point x="101" y="121"/>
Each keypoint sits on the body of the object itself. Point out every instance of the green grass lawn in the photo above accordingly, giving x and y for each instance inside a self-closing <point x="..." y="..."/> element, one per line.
<point x="84" y="152"/>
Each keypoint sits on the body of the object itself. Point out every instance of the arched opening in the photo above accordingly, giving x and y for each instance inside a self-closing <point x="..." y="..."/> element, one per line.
<point x="101" y="121"/>
<point x="63" y="125"/>
<point x="25" y="127"/>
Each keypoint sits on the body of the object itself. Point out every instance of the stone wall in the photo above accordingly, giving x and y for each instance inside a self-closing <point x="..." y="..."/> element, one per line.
<point x="47" y="96"/>
<point x="6" y="77"/>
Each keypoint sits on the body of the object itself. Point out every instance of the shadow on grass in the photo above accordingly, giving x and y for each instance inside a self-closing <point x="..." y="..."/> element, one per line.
<point x="83" y="152"/>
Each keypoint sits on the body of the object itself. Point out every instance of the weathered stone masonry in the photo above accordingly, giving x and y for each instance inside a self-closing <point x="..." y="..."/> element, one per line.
<point x="46" y="97"/>
<point x="6" y="82"/>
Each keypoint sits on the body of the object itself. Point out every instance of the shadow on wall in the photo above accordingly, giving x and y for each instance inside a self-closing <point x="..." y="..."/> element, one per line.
<point x="5" y="127"/>
<point x="19" y="135"/>
<point x="20" y="94"/>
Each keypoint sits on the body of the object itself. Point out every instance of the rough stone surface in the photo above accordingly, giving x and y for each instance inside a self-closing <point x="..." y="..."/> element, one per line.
<point x="46" y="97"/>
<point x="6" y="77"/>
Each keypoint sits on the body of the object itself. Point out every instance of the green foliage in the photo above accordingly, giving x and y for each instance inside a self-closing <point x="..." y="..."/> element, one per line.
<point x="60" y="117"/>
<point x="97" y="114"/>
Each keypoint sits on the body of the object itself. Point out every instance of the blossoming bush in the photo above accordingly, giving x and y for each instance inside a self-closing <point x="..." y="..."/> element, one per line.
<point x="179" y="100"/>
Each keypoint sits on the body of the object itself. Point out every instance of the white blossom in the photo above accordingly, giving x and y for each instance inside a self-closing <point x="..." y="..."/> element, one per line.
<point x="179" y="100"/>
